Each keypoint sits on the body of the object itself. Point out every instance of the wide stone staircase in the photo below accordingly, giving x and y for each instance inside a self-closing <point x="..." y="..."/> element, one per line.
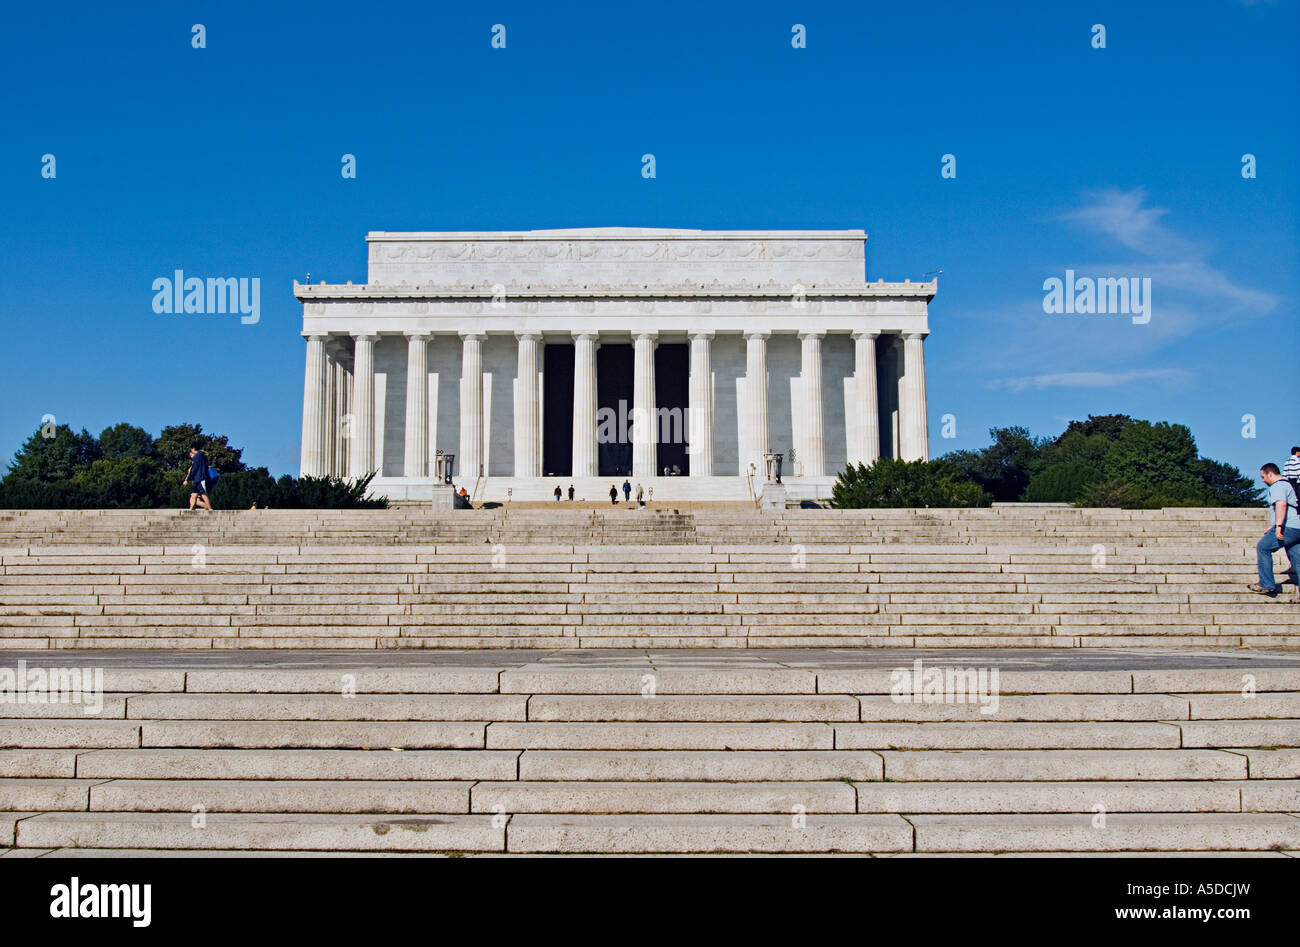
<point x="1015" y="576"/>
<point x="581" y="752"/>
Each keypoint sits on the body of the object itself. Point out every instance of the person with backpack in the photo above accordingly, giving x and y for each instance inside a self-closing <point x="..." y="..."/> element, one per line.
<point x="1291" y="470"/>
<point x="1284" y="533"/>
<point x="199" y="475"/>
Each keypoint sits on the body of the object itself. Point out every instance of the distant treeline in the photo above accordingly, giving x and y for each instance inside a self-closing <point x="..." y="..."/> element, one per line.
<point x="1111" y="460"/>
<point x="126" y="467"/>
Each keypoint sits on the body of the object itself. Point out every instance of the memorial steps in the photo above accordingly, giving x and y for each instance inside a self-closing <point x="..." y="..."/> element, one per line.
<point x="1051" y="577"/>
<point x="596" y="489"/>
<point x="656" y="753"/>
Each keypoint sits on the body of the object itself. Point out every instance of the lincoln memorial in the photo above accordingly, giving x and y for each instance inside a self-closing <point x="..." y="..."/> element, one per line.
<point x="676" y="359"/>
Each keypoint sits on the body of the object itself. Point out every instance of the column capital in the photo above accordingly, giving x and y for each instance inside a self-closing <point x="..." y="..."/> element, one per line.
<point x="914" y="336"/>
<point x="316" y="336"/>
<point x="584" y="335"/>
<point x="812" y="334"/>
<point x="706" y="334"/>
<point x="528" y="335"/>
<point x="869" y="334"/>
<point x="650" y="334"/>
<point x="365" y="336"/>
<point x="418" y="334"/>
<point x="762" y="336"/>
<point x="472" y="336"/>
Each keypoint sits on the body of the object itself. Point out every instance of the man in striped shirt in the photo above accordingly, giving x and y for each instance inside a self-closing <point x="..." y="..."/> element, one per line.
<point x="1291" y="471"/>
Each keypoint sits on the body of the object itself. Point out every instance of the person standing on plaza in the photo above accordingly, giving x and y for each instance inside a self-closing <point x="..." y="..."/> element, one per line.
<point x="627" y="491"/>
<point x="613" y="495"/>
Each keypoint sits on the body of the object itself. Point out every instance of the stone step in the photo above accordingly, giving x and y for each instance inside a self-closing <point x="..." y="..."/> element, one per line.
<point x="672" y="797"/>
<point x="379" y="764"/>
<point x="1057" y="765"/>
<point x="404" y="707"/>
<point x="274" y="796"/>
<point x="1188" y="831"/>
<point x="703" y="765"/>
<point x="1074" y="796"/>
<point x="317" y="831"/>
<point x="264" y="734"/>
<point x="539" y="833"/>
<point x="997" y="735"/>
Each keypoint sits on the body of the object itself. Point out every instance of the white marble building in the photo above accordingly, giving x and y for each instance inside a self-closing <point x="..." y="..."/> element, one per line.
<point x="530" y="355"/>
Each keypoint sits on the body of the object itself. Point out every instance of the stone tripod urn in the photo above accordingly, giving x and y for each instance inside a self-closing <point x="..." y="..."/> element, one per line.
<point x="773" y="464"/>
<point x="773" y="495"/>
<point x="442" y="466"/>
<point x="444" y="493"/>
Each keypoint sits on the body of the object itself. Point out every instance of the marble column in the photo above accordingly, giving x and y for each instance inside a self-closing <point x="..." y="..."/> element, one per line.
<point x="916" y="430"/>
<point x="415" y="461"/>
<point x="755" y="408"/>
<point x="700" y="398"/>
<point x="865" y="447"/>
<point x="584" y="404"/>
<point x="314" y="408"/>
<point x="327" y="438"/>
<point x="363" y="407"/>
<point x="528" y="428"/>
<point x="470" y="462"/>
<point x="813" y="456"/>
<point x="644" y="416"/>
<point x="341" y="423"/>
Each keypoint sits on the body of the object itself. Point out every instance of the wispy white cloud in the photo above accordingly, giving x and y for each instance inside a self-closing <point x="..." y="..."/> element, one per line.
<point x="1174" y="262"/>
<point x="1166" y="377"/>
<point x="1191" y="297"/>
<point x="1121" y="216"/>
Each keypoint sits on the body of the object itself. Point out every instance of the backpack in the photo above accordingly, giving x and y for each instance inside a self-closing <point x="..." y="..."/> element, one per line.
<point x="213" y="473"/>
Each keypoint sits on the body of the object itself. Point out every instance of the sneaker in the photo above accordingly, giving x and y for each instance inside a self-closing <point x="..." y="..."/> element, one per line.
<point x="1260" y="590"/>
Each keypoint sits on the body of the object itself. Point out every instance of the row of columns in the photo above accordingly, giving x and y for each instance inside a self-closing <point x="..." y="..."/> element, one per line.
<point x="339" y="406"/>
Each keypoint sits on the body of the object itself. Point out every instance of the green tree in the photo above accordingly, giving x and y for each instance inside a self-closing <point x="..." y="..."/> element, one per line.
<point x="122" y="482"/>
<point x="1109" y="426"/>
<point x="126" y="440"/>
<point x="1061" y="482"/>
<point x="174" y="448"/>
<point x="1156" y="456"/>
<point x="1003" y="469"/>
<point x="900" y="483"/>
<point x="56" y="457"/>
<point x="1226" y="484"/>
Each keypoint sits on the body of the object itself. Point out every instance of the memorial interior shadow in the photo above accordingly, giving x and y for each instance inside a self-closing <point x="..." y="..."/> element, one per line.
<point x="557" y="402"/>
<point x="614" y="371"/>
<point x="672" y="382"/>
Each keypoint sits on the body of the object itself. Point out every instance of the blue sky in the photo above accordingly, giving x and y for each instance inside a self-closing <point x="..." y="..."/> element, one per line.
<point x="224" y="161"/>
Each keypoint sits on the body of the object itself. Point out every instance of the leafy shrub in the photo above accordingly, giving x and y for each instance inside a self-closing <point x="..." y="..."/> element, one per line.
<point x="126" y="468"/>
<point x="1061" y="483"/>
<point x="907" y="484"/>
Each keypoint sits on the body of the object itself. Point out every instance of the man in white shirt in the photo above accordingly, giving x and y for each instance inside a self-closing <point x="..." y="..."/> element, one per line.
<point x="1284" y="517"/>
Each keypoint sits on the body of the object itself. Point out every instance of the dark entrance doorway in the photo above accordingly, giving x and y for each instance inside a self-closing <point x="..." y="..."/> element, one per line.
<point x="614" y="370"/>
<point x="672" y="381"/>
<point x="557" y="407"/>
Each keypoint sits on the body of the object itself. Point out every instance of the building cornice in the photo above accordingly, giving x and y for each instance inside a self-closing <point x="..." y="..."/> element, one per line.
<point x="584" y="234"/>
<point x="319" y="292"/>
